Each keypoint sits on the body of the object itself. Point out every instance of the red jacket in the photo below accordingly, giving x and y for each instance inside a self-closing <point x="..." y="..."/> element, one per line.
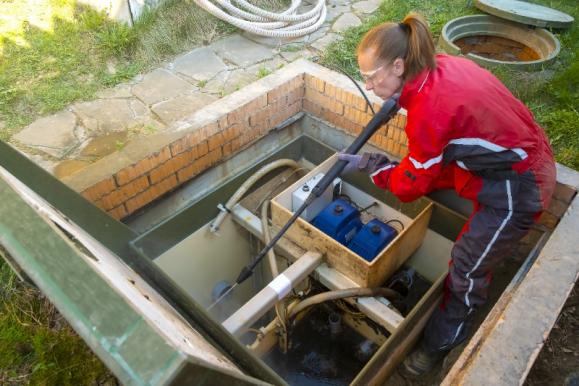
<point x="464" y="127"/>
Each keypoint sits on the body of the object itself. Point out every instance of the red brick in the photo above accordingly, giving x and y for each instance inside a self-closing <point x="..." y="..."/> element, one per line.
<point x="98" y="190"/>
<point x="222" y="122"/>
<point x="187" y="173"/>
<point x="202" y="148"/>
<point x="227" y="149"/>
<point x="119" y="212"/>
<point x="151" y="194"/>
<point x="231" y="132"/>
<point x="312" y="108"/>
<point x="215" y="141"/>
<point x="142" y="167"/>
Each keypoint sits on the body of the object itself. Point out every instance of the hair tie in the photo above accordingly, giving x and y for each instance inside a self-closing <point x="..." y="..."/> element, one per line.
<point x="403" y="26"/>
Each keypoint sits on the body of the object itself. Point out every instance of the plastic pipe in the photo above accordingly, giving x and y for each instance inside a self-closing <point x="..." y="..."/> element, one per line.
<point x="275" y="291"/>
<point x="214" y="227"/>
<point x="340" y="294"/>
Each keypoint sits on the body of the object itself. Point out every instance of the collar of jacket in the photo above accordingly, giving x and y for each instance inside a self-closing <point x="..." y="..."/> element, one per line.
<point x="414" y="86"/>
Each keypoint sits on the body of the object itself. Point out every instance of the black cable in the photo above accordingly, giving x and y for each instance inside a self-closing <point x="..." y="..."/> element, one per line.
<point x="397" y="221"/>
<point x="357" y="86"/>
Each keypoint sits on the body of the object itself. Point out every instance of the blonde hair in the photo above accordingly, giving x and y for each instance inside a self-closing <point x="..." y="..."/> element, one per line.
<point x="410" y="40"/>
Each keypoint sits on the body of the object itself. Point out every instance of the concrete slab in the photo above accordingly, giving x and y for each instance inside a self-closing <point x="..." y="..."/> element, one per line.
<point x="110" y="115"/>
<point x="346" y="21"/>
<point x="160" y="85"/>
<point x="367" y="6"/>
<point x="105" y="144"/>
<point x="54" y="135"/>
<point x="199" y="64"/>
<point x="241" y="51"/>
<point x="69" y="167"/>
<point x="178" y="108"/>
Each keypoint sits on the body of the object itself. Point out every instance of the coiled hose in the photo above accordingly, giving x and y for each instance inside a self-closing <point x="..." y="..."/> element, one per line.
<point x="250" y="18"/>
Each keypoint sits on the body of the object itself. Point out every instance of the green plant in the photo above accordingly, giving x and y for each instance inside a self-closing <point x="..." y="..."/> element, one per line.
<point x="115" y="39"/>
<point x="37" y="347"/>
<point x="262" y="72"/>
<point x="126" y="72"/>
<point x="120" y="145"/>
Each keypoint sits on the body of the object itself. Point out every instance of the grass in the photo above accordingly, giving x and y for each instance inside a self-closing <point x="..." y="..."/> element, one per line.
<point x="551" y="94"/>
<point x="53" y="53"/>
<point x="57" y="52"/>
<point x="37" y="347"/>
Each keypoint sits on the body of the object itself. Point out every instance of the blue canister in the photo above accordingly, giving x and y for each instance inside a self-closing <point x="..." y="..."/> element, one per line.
<point x="372" y="238"/>
<point x="340" y="220"/>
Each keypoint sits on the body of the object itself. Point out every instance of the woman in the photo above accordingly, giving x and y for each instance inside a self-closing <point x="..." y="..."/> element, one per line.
<point x="468" y="132"/>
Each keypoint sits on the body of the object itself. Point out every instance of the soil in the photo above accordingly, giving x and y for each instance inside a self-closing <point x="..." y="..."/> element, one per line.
<point x="497" y="48"/>
<point x="558" y="362"/>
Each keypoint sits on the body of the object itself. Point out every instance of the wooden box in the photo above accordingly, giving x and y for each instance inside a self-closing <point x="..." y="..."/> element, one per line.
<point x="366" y="274"/>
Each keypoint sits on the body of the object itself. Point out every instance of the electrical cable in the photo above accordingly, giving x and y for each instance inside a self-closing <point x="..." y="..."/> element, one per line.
<point x="396" y="221"/>
<point x="368" y="103"/>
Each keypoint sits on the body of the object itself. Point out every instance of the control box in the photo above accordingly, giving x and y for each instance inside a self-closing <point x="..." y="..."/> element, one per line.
<point x="300" y="195"/>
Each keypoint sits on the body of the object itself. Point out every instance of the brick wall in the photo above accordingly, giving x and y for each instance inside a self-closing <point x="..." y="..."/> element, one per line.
<point x="347" y="110"/>
<point x="140" y="183"/>
<point x="217" y="132"/>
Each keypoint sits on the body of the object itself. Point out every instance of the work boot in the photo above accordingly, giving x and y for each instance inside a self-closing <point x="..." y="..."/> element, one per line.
<point x="420" y="361"/>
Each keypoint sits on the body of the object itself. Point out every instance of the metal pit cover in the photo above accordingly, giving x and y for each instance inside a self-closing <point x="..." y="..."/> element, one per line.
<point x="526" y="13"/>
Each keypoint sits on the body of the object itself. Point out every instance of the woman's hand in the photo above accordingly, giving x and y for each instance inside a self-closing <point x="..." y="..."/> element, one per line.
<point x="367" y="162"/>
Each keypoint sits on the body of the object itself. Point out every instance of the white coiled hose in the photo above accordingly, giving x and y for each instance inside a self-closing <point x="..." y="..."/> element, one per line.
<point x="248" y="17"/>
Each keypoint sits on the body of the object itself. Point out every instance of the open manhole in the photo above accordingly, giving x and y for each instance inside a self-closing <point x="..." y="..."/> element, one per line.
<point x="511" y="38"/>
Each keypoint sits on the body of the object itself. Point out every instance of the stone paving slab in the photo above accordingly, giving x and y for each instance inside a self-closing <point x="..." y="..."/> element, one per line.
<point x="368" y="6"/>
<point x="166" y="95"/>
<point x="346" y="21"/>
<point x="322" y="43"/>
<point x="120" y="91"/>
<point x="199" y="64"/>
<point x="241" y="51"/>
<point x="160" y="85"/>
<point x="54" y="135"/>
<point x="109" y="115"/>
<point x="335" y="11"/>
<point x="178" y="108"/>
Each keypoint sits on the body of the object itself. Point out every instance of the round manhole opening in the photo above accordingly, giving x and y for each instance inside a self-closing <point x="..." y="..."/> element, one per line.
<point x="497" y="48"/>
<point x="492" y="41"/>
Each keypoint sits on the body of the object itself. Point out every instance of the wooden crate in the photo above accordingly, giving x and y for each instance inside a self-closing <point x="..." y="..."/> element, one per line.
<point x="366" y="274"/>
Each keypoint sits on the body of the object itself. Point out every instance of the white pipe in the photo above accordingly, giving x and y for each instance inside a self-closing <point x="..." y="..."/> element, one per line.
<point x="286" y="24"/>
<point x="265" y="299"/>
<point x="214" y="227"/>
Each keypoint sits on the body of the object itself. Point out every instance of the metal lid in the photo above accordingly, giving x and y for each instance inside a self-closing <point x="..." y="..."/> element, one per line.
<point x="526" y="13"/>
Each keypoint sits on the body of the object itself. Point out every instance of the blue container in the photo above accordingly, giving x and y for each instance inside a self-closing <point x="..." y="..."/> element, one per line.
<point x="372" y="238"/>
<point x="339" y="220"/>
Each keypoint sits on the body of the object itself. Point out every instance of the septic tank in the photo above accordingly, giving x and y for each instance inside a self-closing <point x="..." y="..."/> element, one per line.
<point x="129" y="254"/>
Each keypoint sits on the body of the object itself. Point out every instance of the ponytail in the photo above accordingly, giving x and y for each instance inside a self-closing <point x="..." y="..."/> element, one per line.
<point x="410" y="40"/>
